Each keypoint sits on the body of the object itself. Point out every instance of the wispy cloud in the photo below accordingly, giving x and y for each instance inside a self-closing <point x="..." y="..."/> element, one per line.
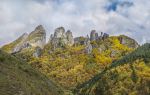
<point x="129" y="17"/>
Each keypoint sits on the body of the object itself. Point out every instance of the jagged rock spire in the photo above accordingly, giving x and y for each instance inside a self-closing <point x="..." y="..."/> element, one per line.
<point x="69" y="38"/>
<point x="39" y="28"/>
<point x="61" y="38"/>
<point x="93" y="35"/>
<point x="59" y="32"/>
<point x="37" y="37"/>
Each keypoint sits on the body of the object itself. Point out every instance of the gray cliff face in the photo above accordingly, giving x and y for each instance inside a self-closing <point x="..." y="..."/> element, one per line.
<point x="93" y="35"/>
<point x="20" y="45"/>
<point x="60" y="33"/>
<point x="61" y="38"/>
<point x="70" y="38"/>
<point x="37" y="38"/>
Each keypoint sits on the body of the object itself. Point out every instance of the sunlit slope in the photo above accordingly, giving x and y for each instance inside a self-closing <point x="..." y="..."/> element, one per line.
<point x="130" y="75"/>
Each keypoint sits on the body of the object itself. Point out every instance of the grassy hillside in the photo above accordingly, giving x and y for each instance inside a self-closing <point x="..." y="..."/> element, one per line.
<point x="128" y="76"/>
<point x="18" y="78"/>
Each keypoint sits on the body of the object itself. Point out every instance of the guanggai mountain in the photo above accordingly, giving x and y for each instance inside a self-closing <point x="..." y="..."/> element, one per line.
<point x="98" y="64"/>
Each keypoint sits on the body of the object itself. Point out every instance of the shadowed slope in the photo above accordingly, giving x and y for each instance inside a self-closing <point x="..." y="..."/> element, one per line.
<point x="19" y="78"/>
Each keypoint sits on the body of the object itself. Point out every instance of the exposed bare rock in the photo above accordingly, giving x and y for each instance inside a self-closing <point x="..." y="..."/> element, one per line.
<point x="69" y="38"/>
<point x="21" y="46"/>
<point x="20" y="43"/>
<point x="125" y="40"/>
<point x="37" y="52"/>
<point x="105" y="36"/>
<point x="61" y="38"/>
<point x="60" y="33"/>
<point x="88" y="48"/>
<point x="93" y="35"/>
<point x="37" y="37"/>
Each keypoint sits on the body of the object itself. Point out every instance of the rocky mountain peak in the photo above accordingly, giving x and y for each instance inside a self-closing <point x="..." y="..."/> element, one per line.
<point x="59" y="32"/>
<point x="39" y="29"/>
<point x="37" y="37"/>
<point x="61" y="38"/>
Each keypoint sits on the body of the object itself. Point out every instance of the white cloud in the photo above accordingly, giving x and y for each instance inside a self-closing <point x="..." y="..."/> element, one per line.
<point x="80" y="16"/>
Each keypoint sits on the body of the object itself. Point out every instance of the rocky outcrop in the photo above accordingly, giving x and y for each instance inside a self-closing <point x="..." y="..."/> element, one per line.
<point x="104" y="36"/>
<point x="70" y="39"/>
<point x="131" y="43"/>
<point x="20" y="44"/>
<point x="37" y="38"/>
<point x="95" y="36"/>
<point x="88" y="47"/>
<point x="37" y="53"/>
<point x="61" y="38"/>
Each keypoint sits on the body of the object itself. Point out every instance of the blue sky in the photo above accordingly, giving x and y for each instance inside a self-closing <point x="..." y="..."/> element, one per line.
<point x="128" y="17"/>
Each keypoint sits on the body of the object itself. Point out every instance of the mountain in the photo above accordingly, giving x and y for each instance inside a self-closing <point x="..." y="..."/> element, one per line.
<point x="128" y="75"/>
<point x="36" y="38"/>
<point x="71" y="61"/>
<point x="19" y="78"/>
<point x="9" y="47"/>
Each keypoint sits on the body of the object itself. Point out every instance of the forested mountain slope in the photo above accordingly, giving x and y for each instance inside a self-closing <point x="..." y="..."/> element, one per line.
<point x="129" y="75"/>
